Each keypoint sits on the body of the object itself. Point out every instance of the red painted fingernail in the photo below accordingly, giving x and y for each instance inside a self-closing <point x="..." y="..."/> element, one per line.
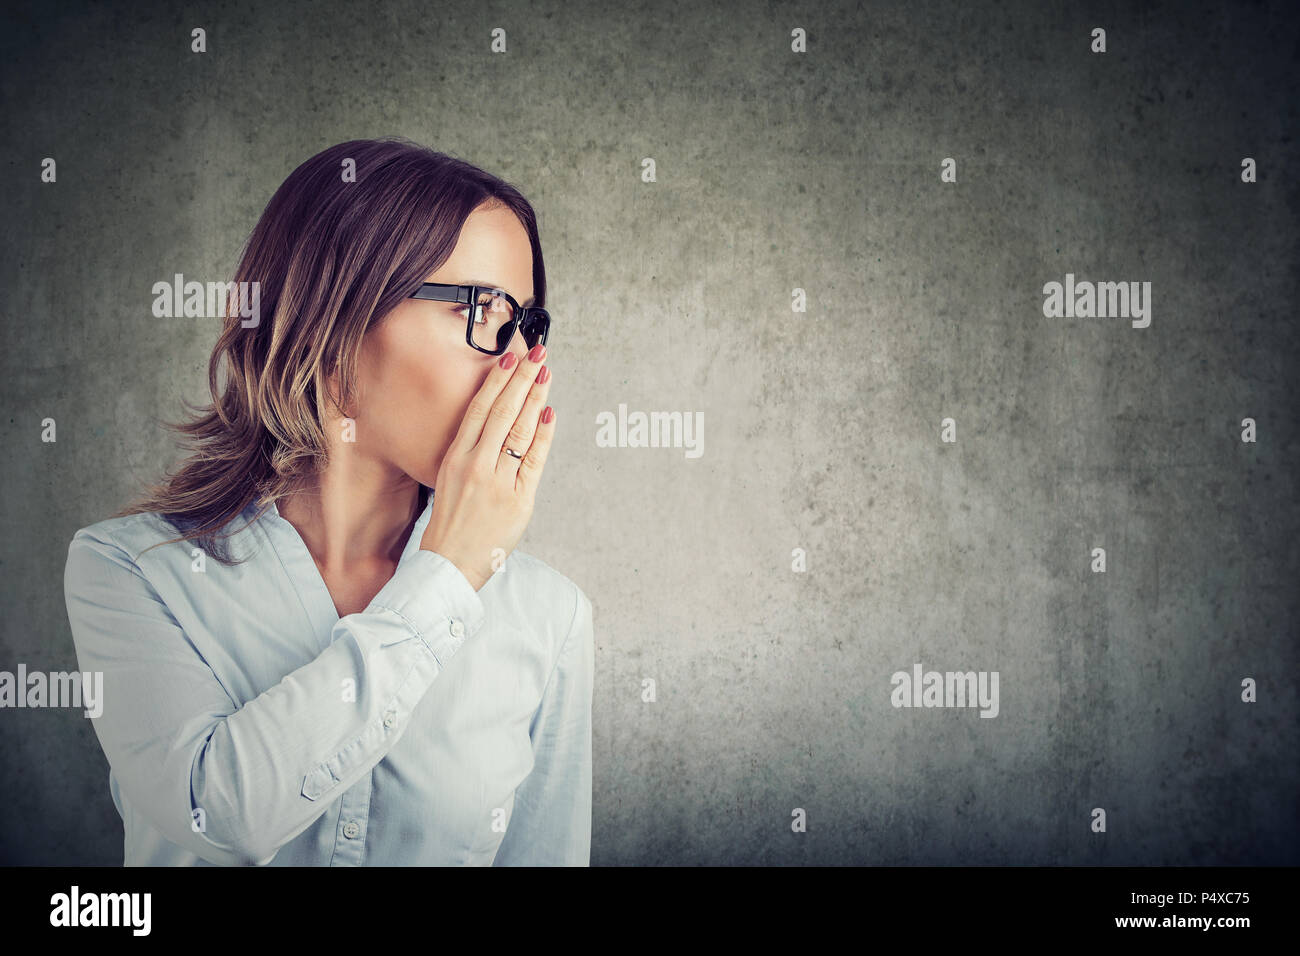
<point x="544" y="375"/>
<point x="548" y="415"/>
<point x="536" y="353"/>
<point x="507" y="361"/>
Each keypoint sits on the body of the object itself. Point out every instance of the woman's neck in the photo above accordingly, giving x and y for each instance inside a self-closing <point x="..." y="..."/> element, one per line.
<point x="354" y="520"/>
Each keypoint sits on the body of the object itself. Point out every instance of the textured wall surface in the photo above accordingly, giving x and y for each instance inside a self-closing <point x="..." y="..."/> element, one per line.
<point x="774" y="171"/>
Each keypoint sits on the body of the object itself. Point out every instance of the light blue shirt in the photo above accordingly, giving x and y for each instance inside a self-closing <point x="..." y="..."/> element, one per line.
<point x="246" y="723"/>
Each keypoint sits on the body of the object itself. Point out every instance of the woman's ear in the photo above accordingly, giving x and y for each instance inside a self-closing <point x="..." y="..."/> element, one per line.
<point x="333" y="393"/>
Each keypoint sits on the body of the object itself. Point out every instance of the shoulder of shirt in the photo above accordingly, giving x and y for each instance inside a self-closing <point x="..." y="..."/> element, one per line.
<point x="134" y="534"/>
<point x="570" y="599"/>
<point x="128" y="530"/>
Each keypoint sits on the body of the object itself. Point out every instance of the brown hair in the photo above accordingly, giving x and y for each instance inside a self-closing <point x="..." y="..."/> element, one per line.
<point x="333" y="252"/>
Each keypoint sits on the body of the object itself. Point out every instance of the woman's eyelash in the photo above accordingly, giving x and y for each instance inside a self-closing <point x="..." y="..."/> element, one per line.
<point x="459" y="309"/>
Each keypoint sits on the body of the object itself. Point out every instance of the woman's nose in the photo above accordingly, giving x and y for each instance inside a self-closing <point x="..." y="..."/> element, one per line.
<point x="518" y="345"/>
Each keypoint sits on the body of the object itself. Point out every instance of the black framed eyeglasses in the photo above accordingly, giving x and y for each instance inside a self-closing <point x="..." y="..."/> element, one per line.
<point x="492" y="317"/>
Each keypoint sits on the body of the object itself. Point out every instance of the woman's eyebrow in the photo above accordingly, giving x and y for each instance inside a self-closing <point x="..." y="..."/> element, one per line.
<point x="527" y="303"/>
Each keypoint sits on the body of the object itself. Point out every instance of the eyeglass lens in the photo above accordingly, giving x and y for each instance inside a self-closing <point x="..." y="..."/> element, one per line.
<point x="493" y="324"/>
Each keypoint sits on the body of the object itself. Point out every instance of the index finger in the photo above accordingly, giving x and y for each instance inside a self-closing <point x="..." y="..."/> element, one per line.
<point x="471" y="426"/>
<point x="505" y="410"/>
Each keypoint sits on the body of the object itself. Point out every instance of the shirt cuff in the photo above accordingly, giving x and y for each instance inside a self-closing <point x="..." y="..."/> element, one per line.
<point x="435" y="600"/>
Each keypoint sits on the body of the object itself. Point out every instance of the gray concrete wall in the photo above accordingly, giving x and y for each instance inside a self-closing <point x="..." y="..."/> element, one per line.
<point x="776" y="171"/>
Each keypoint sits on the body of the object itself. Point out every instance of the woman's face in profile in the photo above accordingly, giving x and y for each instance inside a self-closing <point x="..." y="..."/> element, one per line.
<point x="416" y="373"/>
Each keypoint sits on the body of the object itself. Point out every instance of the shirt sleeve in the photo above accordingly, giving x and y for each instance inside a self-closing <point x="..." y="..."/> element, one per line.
<point x="550" y="824"/>
<point x="264" y="772"/>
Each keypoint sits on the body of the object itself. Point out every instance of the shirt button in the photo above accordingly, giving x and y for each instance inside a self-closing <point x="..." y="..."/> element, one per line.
<point x="390" y="718"/>
<point x="350" y="829"/>
<point x="457" y="628"/>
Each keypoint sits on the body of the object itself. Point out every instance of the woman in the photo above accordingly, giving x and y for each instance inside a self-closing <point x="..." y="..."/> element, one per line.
<point x="314" y="649"/>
